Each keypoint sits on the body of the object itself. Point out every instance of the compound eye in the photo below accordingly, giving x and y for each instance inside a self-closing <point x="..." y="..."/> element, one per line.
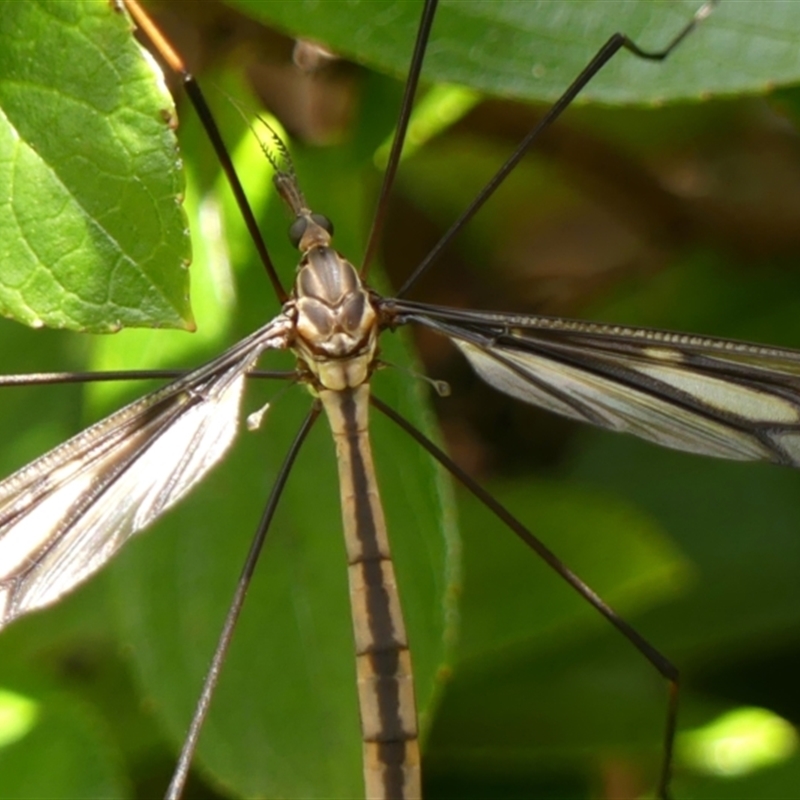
<point x="323" y="222"/>
<point x="297" y="229"/>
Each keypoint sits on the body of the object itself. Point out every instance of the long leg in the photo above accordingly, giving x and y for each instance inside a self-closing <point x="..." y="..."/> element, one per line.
<point x="665" y="667"/>
<point x="181" y="773"/>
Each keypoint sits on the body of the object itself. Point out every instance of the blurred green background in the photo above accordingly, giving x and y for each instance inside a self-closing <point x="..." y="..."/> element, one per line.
<point x="669" y="198"/>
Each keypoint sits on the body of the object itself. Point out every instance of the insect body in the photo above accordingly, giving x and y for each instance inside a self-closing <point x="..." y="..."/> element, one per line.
<point x="704" y="395"/>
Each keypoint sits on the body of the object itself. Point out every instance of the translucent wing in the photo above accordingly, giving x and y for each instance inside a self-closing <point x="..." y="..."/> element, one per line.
<point x="65" y="514"/>
<point x="717" y="397"/>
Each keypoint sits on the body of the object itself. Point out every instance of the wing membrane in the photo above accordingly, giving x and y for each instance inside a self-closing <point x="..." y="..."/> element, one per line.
<point x="717" y="397"/>
<point x="65" y="514"/>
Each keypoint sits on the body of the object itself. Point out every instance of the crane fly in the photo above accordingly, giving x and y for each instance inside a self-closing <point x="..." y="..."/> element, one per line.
<point x="699" y="394"/>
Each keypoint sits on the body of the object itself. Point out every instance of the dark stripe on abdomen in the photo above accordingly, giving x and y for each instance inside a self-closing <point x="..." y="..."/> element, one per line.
<point x="385" y="686"/>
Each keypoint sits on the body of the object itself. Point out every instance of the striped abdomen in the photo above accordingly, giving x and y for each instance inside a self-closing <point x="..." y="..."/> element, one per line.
<point x="383" y="663"/>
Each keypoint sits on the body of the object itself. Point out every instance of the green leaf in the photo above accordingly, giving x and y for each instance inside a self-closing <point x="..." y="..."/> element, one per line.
<point x="92" y="236"/>
<point x="532" y="51"/>
<point x="64" y="752"/>
<point x="528" y="640"/>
